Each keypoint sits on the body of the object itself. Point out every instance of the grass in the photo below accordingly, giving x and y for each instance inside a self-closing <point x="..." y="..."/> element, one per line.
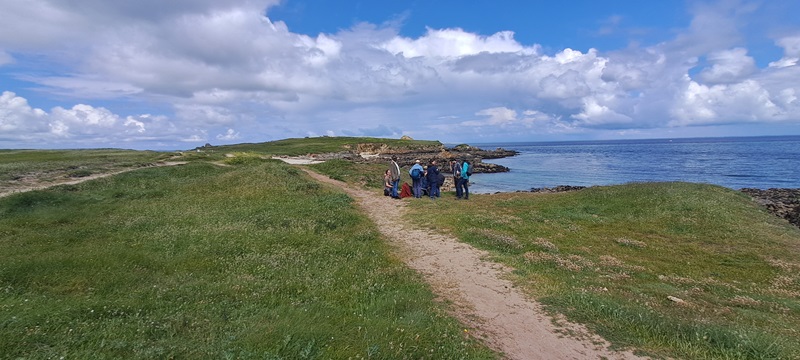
<point x="366" y="175"/>
<point x="47" y="166"/>
<point x="250" y="260"/>
<point x="255" y="260"/>
<point x="611" y="257"/>
<point x="315" y="145"/>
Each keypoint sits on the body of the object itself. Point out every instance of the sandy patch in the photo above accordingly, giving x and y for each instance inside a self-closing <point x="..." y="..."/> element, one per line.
<point x="298" y="160"/>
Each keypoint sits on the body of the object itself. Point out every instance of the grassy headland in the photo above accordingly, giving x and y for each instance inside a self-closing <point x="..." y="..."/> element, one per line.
<point x="256" y="260"/>
<point x="18" y="168"/>
<point x="682" y="270"/>
<point x="253" y="260"/>
<point x="316" y="145"/>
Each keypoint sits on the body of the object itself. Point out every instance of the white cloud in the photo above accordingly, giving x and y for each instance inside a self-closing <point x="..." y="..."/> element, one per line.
<point x="728" y="66"/>
<point x="743" y="102"/>
<point x="453" y="43"/>
<point x="596" y="113"/>
<point x="791" y="52"/>
<point x="81" y="120"/>
<point x="499" y="116"/>
<point x="205" y="114"/>
<point x="224" y="67"/>
<point x="229" y="135"/>
<point x="80" y="126"/>
<point x="17" y="117"/>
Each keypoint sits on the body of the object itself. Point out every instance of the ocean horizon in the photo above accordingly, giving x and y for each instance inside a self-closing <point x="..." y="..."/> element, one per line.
<point x="760" y="162"/>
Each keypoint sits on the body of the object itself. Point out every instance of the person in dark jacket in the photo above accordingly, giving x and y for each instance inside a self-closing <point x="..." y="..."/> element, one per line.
<point x="423" y="182"/>
<point x="433" y="180"/>
<point x="455" y="168"/>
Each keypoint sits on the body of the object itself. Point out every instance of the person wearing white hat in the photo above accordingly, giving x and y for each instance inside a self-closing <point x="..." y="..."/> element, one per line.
<point x="416" y="173"/>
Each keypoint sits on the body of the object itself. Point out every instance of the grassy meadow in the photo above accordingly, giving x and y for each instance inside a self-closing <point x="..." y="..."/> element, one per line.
<point x="305" y="146"/>
<point x="18" y="167"/>
<point x="249" y="258"/>
<point x="679" y="270"/>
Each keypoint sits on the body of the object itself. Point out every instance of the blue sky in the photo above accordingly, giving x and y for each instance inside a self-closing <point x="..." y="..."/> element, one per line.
<point x="160" y="75"/>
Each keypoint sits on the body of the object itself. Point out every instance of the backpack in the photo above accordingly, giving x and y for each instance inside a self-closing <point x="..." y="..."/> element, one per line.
<point x="416" y="174"/>
<point x="469" y="169"/>
<point x="440" y="179"/>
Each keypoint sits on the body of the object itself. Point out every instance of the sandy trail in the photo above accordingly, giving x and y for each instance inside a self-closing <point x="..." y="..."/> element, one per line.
<point x="497" y="312"/>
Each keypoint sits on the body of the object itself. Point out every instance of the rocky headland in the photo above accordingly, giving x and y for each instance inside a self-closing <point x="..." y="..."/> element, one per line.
<point x="781" y="202"/>
<point x="406" y="156"/>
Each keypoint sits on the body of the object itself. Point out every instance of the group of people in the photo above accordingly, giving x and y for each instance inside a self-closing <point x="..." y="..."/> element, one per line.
<point x="427" y="180"/>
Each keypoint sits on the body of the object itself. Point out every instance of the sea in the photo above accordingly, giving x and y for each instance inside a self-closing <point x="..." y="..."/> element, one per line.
<point x="733" y="162"/>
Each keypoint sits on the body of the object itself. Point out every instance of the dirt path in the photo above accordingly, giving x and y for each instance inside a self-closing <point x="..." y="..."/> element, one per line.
<point x="36" y="184"/>
<point x="499" y="314"/>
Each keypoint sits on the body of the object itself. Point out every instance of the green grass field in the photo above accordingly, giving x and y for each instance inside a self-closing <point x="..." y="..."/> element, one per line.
<point x="611" y="257"/>
<point x="256" y="260"/>
<point x="305" y="146"/>
<point x="204" y="261"/>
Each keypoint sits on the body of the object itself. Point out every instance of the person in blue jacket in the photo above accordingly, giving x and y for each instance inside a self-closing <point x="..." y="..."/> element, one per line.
<point x="416" y="173"/>
<point x="463" y="182"/>
<point x="394" y="170"/>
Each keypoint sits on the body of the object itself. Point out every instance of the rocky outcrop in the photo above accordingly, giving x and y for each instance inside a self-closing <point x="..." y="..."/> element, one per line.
<point x="406" y="156"/>
<point x="559" y="188"/>
<point x="781" y="202"/>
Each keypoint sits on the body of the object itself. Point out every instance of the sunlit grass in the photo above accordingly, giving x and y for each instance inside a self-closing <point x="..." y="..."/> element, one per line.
<point x="253" y="260"/>
<point x="612" y="257"/>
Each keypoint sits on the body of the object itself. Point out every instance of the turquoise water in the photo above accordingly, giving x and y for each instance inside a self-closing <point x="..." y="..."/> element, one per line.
<point x="752" y="162"/>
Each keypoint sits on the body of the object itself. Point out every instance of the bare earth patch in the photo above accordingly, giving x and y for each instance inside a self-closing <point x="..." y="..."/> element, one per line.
<point x="488" y="305"/>
<point x="35" y="183"/>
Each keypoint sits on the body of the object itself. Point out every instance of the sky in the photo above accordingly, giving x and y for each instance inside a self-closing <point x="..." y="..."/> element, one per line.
<point x="178" y="74"/>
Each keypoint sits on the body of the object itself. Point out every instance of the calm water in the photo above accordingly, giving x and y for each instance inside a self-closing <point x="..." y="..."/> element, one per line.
<point x="754" y="162"/>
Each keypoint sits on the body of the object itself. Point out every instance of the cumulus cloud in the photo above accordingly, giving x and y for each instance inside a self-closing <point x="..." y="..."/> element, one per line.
<point x="728" y="66"/>
<point x="17" y="117"/>
<point x="449" y="43"/>
<point x="79" y="126"/>
<point x="227" y="69"/>
<point x="747" y="101"/>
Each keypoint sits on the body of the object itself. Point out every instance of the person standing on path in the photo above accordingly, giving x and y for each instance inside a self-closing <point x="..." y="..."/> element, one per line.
<point x="466" y="171"/>
<point x="416" y="173"/>
<point x="394" y="168"/>
<point x="433" y="180"/>
<point x="455" y="169"/>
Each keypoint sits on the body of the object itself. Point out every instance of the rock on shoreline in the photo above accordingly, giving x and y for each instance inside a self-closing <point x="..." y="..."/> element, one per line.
<point x="779" y="201"/>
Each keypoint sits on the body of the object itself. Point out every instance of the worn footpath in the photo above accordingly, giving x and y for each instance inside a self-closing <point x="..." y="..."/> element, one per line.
<point x="482" y="299"/>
